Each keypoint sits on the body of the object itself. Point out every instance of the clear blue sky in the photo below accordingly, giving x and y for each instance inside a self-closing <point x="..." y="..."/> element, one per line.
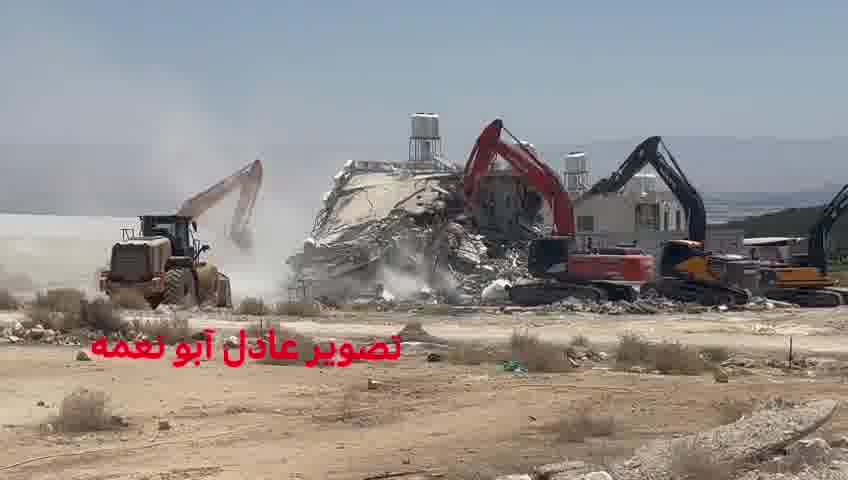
<point x="338" y="72"/>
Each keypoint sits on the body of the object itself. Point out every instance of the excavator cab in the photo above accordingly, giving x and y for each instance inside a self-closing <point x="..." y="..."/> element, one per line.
<point x="548" y="256"/>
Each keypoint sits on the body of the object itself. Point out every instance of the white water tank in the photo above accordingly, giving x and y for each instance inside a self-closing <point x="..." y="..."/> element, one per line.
<point x="576" y="162"/>
<point x="425" y="125"/>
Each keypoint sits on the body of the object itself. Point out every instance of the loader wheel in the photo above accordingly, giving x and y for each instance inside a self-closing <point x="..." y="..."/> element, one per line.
<point x="179" y="287"/>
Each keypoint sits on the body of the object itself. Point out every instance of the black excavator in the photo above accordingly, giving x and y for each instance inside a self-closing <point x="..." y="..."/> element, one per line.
<point x="805" y="279"/>
<point x="686" y="271"/>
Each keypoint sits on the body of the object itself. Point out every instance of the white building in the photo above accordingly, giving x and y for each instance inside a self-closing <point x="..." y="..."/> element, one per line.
<point x="644" y="210"/>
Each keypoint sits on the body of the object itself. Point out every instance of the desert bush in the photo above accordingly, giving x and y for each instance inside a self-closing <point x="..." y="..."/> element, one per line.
<point x="66" y="309"/>
<point x="297" y="309"/>
<point x="666" y="357"/>
<point x="537" y="355"/>
<point x="632" y="350"/>
<point x="671" y="358"/>
<point x="253" y="306"/>
<point x="83" y="411"/>
<point x="580" y="341"/>
<point x="66" y="300"/>
<point x="305" y="345"/>
<point x="8" y="301"/>
<point x="470" y="353"/>
<point x="172" y="330"/>
<point x="101" y="315"/>
<point x="130" y="299"/>
<point x="582" y="423"/>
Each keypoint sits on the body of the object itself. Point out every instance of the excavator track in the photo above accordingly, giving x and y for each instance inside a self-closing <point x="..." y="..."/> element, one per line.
<point x="810" y="297"/>
<point x="689" y="291"/>
<point x="548" y="292"/>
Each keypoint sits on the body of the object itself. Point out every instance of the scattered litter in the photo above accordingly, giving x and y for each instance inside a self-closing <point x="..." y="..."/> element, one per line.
<point x="512" y="366"/>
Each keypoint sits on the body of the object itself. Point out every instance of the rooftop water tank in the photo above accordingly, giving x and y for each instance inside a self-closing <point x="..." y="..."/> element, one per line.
<point x="425" y="125"/>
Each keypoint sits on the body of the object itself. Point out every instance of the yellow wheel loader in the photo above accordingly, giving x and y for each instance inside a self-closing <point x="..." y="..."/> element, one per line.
<point x="163" y="265"/>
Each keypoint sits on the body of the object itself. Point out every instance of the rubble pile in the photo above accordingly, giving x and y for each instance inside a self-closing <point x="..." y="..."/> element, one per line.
<point x="770" y="444"/>
<point x="392" y="233"/>
<point x="17" y="333"/>
<point x="655" y="305"/>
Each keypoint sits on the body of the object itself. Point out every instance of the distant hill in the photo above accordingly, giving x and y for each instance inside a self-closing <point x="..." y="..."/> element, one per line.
<point x="735" y="206"/>
<point x="793" y="222"/>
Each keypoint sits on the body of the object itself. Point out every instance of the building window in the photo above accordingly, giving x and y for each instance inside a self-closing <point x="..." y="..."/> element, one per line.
<point x="665" y="220"/>
<point x="586" y="223"/>
<point x="677" y="223"/>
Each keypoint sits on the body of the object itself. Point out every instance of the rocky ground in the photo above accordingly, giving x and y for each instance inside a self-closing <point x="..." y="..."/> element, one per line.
<point x="431" y="413"/>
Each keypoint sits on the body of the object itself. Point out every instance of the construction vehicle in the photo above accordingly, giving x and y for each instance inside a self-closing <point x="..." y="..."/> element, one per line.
<point x="162" y="263"/>
<point x="249" y="179"/>
<point x="686" y="271"/>
<point x="560" y="270"/>
<point x="805" y="279"/>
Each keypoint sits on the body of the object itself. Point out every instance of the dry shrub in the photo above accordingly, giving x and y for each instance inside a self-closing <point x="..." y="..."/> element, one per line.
<point x="253" y="306"/>
<point x="435" y="309"/>
<point x="65" y="300"/>
<point x="414" y="332"/>
<point x="66" y="309"/>
<point x="130" y="299"/>
<point x="691" y="461"/>
<point x="100" y="315"/>
<point x="470" y="353"/>
<point x="632" y="350"/>
<point x="298" y="309"/>
<point x="580" y="341"/>
<point x="172" y="330"/>
<point x="666" y="357"/>
<point x="538" y="355"/>
<point x="675" y="358"/>
<point x="360" y="307"/>
<point x="8" y="301"/>
<point x="582" y="423"/>
<point x="83" y="411"/>
<point x="305" y="345"/>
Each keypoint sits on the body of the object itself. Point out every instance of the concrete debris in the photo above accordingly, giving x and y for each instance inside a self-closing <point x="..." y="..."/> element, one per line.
<point x="496" y="292"/>
<point x="777" y="429"/>
<point x="405" y="227"/>
<point x="390" y="233"/>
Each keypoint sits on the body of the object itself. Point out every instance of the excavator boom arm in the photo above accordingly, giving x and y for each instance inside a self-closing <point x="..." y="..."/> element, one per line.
<point x="524" y="161"/>
<point x="819" y="240"/>
<point x="249" y="179"/>
<point x="648" y="153"/>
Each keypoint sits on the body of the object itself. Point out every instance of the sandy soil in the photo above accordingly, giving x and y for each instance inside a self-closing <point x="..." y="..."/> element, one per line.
<point x="466" y="422"/>
<point x="263" y="421"/>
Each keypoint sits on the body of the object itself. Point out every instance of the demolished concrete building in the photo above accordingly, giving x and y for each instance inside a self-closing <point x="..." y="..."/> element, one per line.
<point x="400" y="230"/>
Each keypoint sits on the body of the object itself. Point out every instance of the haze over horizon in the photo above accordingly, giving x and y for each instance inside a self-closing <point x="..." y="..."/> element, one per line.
<point x="130" y="108"/>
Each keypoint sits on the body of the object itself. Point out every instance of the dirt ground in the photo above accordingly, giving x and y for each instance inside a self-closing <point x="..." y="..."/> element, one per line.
<point x="465" y="422"/>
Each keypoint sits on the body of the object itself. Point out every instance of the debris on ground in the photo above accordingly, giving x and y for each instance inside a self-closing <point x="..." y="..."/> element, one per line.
<point x="776" y="432"/>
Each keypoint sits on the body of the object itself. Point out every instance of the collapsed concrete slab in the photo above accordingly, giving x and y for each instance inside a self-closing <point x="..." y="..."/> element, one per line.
<point x="399" y="231"/>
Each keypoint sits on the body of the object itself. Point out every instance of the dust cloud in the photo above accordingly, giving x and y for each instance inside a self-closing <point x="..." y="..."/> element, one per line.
<point x="90" y="134"/>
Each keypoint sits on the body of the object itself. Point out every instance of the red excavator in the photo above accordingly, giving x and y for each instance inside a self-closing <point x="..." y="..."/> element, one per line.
<point x="560" y="270"/>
